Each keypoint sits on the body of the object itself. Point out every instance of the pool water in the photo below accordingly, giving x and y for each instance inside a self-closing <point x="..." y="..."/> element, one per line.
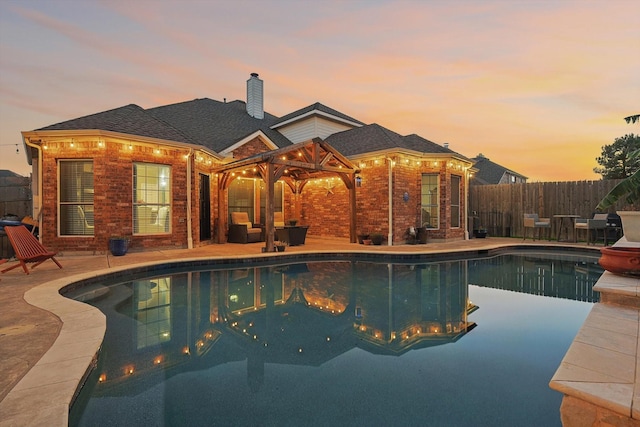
<point x="343" y="342"/>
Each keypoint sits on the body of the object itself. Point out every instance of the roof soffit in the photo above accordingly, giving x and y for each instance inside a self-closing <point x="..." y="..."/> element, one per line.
<point x="313" y="113"/>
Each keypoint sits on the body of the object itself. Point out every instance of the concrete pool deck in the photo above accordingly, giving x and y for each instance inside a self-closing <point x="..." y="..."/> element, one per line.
<point x="48" y="343"/>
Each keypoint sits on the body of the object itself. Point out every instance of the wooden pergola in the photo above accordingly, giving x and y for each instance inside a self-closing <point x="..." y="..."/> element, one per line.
<point x="296" y="165"/>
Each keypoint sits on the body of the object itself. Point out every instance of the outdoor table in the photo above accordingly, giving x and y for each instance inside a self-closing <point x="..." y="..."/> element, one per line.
<point x="294" y="235"/>
<point x="570" y="222"/>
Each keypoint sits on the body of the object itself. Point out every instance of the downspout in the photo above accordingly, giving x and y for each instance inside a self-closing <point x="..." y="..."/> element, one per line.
<point x="37" y="215"/>
<point x="390" y="186"/>
<point x="189" y="198"/>
<point x="466" y="204"/>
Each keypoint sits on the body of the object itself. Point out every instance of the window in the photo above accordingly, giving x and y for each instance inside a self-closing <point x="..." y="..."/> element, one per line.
<point x="151" y="198"/>
<point x="455" y="201"/>
<point x="430" y="201"/>
<point x="76" y="198"/>
<point x="242" y="198"/>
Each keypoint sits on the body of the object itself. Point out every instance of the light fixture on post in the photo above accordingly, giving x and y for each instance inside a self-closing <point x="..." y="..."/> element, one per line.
<point x="358" y="181"/>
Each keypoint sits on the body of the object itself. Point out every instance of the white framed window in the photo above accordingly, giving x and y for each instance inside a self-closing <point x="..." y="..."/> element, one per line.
<point x="430" y="201"/>
<point x="75" y="207"/>
<point x="151" y="198"/>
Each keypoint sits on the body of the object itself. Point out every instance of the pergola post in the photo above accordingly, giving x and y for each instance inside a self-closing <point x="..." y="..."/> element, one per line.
<point x="352" y="210"/>
<point x="222" y="208"/>
<point x="269" y="182"/>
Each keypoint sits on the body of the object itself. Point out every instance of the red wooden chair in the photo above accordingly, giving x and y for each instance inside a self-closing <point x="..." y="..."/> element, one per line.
<point x="27" y="248"/>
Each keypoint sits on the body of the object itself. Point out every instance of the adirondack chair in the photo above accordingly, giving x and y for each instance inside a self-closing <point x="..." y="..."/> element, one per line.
<point x="27" y="248"/>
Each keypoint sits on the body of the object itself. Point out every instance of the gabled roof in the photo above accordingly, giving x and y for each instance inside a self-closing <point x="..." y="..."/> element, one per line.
<point x="372" y="138"/>
<point x="316" y="109"/>
<point x="130" y="119"/>
<point x="217" y="125"/>
<point x="490" y="172"/>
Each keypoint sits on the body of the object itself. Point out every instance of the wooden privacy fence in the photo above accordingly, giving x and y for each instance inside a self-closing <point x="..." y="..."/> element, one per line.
<point x="500" y="208"/>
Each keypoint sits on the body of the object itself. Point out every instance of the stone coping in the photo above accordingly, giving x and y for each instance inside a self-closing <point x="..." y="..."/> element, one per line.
<point x="602" y="366"/>
<point x="52" y="384"/>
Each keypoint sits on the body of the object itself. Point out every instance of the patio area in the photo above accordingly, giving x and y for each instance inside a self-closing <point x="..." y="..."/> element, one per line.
<point x="32" y="339"/>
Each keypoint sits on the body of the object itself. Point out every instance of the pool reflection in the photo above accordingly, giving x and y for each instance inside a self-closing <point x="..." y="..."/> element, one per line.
<point x="302" y="314"/>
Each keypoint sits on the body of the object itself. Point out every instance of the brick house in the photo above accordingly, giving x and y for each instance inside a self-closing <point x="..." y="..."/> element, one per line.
<point x="170" y="176"/>
<point x="488" y="172"/>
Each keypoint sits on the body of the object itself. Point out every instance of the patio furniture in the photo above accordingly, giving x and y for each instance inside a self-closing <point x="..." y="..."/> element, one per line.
<point x="242" y="230"/>
<point x="278" y="219"/>
<point x="566" y="222"/>
<point x="294" y="235"/>
<point x="613" y="230"/>
<point x="27" y="249"/>
<point x="533" y="222"/>
<point x="592" y="226"/>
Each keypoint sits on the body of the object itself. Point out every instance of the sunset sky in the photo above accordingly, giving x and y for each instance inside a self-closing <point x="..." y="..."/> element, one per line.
<point x="536" y="86"/>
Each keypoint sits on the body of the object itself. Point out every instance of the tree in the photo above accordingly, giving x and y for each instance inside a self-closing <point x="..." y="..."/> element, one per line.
<point x="629" y="188"/>
<point x="616" y="159"/>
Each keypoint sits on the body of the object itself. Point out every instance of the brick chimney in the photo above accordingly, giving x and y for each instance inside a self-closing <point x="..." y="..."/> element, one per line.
<point x="255" y="97"/>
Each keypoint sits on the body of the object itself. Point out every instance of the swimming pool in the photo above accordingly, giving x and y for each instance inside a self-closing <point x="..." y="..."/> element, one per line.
<point x="339" y="341"/>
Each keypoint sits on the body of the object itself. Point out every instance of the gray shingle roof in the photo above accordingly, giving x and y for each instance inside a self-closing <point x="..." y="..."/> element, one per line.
<point x="490" y="172"/>
<point x="130" y="119"/>
<point x="373" y="137"/>
<point x="423" y="145"/>
<point x="217" y="125"/>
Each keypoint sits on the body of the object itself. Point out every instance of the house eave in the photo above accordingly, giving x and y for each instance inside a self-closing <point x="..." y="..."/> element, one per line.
<point x="61" y="135"/>
<point x="395" y="152"/>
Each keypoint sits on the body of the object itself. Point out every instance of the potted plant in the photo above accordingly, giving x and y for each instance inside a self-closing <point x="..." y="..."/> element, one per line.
<point x="280" y="246"/>
<point x="292" y="222"/>
<point x="480" y="233"/>
<point x="362" y="237"/>
<point x="377" y="238"/>
<point x="118" y="245"/>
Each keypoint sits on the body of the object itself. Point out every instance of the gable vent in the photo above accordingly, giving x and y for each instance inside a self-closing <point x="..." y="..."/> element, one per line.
<point x="255" y="98"/>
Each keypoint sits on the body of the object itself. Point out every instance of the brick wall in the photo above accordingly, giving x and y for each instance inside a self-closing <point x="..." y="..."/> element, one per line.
<point x="326" y="206"/>
<point x="113" y="207"/>
<point x="323" y="204"/>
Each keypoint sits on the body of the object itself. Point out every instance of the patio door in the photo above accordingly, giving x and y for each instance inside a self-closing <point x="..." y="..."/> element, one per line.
<point x="205" y="208"/>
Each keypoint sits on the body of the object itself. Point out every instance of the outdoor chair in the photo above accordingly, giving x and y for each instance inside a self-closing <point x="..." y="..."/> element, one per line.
<point x="598" y="222"/>
<point x="278" y="219"/>
<point x="27" y="249"/>
<point x="533" y="222"/>
<point x="241" y="230"/>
